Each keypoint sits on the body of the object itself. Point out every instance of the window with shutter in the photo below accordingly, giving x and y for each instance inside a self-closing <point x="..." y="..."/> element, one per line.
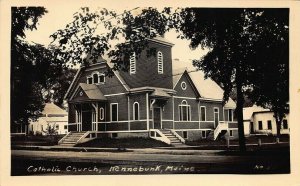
<point x="133" y="64"/>
<point x="160" y="62"/>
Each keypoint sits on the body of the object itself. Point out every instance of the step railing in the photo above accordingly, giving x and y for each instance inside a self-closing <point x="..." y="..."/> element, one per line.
<point x="177" y="136"/>
<point x="83" y="136"/>
<point x="62" y="139"/>
<point x="222" y="126"/>
<point x="161" y="136"/>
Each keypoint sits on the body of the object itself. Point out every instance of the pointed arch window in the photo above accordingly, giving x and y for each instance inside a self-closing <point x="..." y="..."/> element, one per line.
<point x="160" y="62"/>
<point x="136" y="111"/>
<point x="132" y="61"/>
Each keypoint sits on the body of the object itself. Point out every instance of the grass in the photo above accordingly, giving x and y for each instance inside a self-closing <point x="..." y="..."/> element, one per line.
<point x="32" y="140"/>
<point x="123" y="143"/>
<point x="249" y="140"/>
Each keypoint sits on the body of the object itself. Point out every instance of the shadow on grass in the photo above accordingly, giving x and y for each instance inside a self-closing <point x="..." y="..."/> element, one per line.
<point x="123" y="143"/>
<point x="32" y="140"/>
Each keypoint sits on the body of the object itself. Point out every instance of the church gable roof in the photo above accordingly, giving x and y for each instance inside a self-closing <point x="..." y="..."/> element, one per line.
<point x="206" y="87"/>
<point x="86" y="92"/>
<point x="186" y="87"/>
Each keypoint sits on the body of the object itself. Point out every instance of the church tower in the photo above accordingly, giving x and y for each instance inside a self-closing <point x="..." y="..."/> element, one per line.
<point x="153" y="71"/>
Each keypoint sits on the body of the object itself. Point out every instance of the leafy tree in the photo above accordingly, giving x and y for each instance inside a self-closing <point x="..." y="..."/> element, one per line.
<point x="237" y="39"/>
<point x="56" y="89"/>
<point x="270" y="90"/>
<point x="34" y="68"/>
<point x="26" y="99"/>
<point x="249" y="52"/>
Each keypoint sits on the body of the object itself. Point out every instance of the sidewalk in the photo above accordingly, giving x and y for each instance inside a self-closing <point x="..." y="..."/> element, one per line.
<point x="189" y="150"/>
<point x="172" y="151"/>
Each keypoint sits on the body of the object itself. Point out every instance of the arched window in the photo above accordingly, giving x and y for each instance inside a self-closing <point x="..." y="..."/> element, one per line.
<point x="101" y="78"/>
<point x="160" y="62"/>
<point x="184" y="111"/>
<point x="89" y="80"/>
<point x="101" y="113"/>
<point x="96" y="78"/>
<point x="136" y="111"/>
<point x="132" y="63"/>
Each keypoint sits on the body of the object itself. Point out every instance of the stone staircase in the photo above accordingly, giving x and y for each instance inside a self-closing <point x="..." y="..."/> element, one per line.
<point x="175" y="141"/>
<point x="72" y="138"/>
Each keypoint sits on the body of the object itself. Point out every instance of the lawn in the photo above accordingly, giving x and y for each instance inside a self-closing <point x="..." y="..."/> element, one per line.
<point x="123" y="143"/>
<point x="32" y="140"/>
<point x="249" y="140"/>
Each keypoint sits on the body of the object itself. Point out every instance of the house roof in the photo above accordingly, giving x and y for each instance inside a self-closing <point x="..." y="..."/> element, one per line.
<point x="92" y="91"/>
<point x="51" y="108"/>
<point x="206" y="87"/>
<point x="249" y="111"/>
<point x="54" y="119"/>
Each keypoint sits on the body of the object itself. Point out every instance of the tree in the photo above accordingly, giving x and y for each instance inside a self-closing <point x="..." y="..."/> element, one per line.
<point x="270" y="90"/>
<point x="25" y="96"/>
<point x="249" y="52"/>
<point x="237" y="39"/>
<point x="56" y="89"/>
<point x="222" y="30"/>
<point x="34" y="68"/>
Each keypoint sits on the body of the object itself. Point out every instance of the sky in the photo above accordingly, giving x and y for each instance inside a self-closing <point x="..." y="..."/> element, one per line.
<point x="58" y="17"/>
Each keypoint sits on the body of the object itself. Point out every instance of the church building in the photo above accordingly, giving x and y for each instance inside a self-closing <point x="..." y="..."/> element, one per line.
<point x="155" y="99"/>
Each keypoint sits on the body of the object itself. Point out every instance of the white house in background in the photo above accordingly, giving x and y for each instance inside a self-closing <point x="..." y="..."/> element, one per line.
<point x="52" y="115"/>
<point x="247" y="114"/>
<point x="258" y="120"/>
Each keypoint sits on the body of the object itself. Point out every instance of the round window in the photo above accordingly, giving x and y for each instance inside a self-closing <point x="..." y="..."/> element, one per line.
<point x="183" y="85"/>
<point x="81" y="93"/>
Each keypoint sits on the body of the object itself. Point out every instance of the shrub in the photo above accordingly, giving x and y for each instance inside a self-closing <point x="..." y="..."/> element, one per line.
<point x="38" y="133"/>
<point x="51" y="129"/>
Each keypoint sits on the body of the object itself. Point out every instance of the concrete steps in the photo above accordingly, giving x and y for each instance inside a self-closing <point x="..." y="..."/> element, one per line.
<point x="71" y="139"/>
<point x="173" y="139"/>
